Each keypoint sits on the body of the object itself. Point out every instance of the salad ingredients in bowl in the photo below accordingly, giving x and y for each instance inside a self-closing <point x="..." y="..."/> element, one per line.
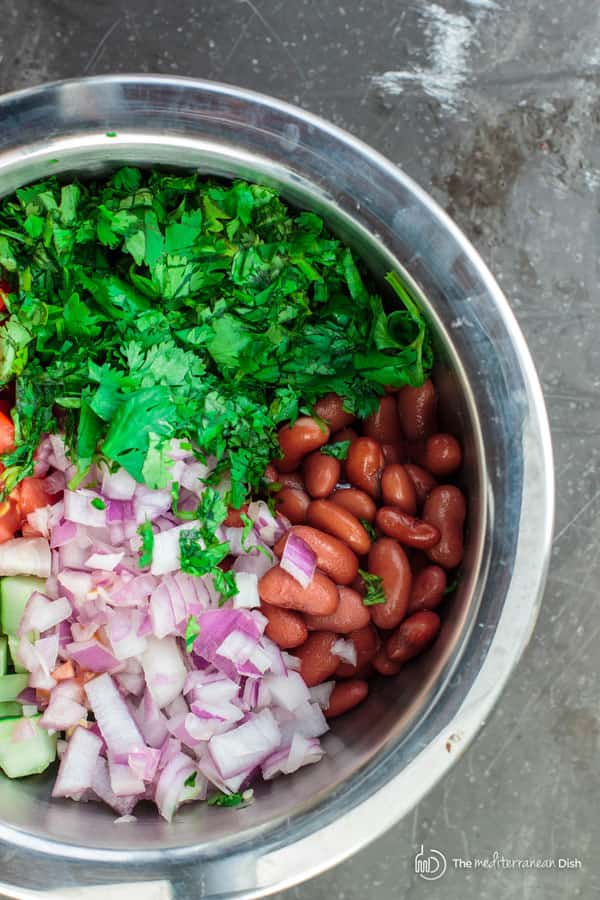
<point x="226" y="504"/>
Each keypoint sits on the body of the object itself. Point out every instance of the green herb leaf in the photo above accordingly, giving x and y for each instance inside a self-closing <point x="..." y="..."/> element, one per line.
<point x="147" y="535"/>
<point x="338" y="450"/>
<point x="191" y="633"/>
<point x="190" y="781"/>
<point x="369" y="529"/>
<point x="374" y="585"/>
<point x="98" y="503"/>
<point x="220" y="799"/>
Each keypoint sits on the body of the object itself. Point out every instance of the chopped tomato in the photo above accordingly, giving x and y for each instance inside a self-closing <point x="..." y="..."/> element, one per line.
<point x="7" y="433"/>
<point x="32" y="495"/>
<point x="64" y="671"/>
<point x="10" y="520"/>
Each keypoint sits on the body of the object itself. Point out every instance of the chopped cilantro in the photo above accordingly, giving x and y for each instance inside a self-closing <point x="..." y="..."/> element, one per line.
<point x="374" y="585"/>
<point x="452" y="586"/>
<point x="147" y="535"/>
<point x="369" y="529"/>
<point x="339" y="450"/>
<point x="190" y="781"/>
<point x="248" y="526"/>
<point x="98" y="503"/>
<point x="220" y="799"/>
<point x="192" y="631"/>
<point x="149" y="306"/>
<point x="225" y="584"/>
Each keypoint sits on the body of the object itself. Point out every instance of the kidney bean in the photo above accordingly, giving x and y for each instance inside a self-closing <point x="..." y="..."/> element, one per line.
<point x="334" y="519"/>
<point x="292" y="504"/>
<point x="355" y="501"/>
<point x="384" y="665"/>
<point x="321" y="474"/>
<point x="346" y="696"/>
<point x="350" y="615"/>
<point x="388" y="560"/>
<point x="317" y="662"/>
<point x="397" y="489"/>
<point x="298" y="440"/>
<point x="364" y="464"/>
<point x="413" y="636"/>
<point x="279" y="588"/>
<point x="384" y="425"/>
<point x="407" y="529"/>
<point x="233" y="518"/>
<point x="442" y="455"/>
<point x="445" y="508"/>
<point x="418" y="560"/>
<point x="271" y="474"/>
<point x="284" y="626"/>
<point x="344" y="434"/>
<point x="428" y="588"/>
<point x="334" y="557"/>
<point x="422" y="480"/>
<point x="366" y="640"/>
<point x="392" y="453"/>
<point x="291" y="480"/>
<point x="331" y="409"/>
<point x="417" y="409"/>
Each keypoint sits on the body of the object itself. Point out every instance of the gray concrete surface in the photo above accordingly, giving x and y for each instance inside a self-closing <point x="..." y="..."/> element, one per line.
<point x="493" y="106"/>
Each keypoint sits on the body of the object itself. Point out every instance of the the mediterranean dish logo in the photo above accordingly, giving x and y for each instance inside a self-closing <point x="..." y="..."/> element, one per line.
<point x="432" y="864"/>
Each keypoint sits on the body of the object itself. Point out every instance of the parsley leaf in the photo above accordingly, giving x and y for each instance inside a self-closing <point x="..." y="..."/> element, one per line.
<point x="374" y="585"/>
<point x="153" y="306"/>
<point x="191" y="633"/>
<point x="98" y="503"/>
<point x="147" y="535"/>
<point x="339" y="450"/>
<point x="220" y="799"/>
<point x="369" y="529"/>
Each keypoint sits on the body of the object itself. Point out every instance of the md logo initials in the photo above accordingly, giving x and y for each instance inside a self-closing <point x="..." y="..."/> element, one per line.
<point x="430" y="864"/>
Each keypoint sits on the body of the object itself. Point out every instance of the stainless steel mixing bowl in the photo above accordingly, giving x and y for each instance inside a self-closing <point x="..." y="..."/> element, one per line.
<point x="386" y="755"/>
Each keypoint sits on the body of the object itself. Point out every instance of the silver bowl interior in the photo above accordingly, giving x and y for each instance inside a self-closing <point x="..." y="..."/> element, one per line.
<point x="489" y="398"/>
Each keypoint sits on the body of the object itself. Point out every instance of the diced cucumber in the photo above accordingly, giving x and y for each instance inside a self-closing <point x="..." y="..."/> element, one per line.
<point x="13" y="643"/>
<point x="3" y="655"/>
<point x="15" y="591"/>
<point x="11" y="686"/>
<point x="9" y="710"/>
<point x="29" y="756"/>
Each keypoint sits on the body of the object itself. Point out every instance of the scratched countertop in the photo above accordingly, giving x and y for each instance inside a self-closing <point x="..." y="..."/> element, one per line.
<point x="493" y="107"/>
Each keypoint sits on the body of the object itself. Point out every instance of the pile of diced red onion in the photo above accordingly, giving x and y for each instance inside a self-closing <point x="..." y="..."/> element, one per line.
<point x="169" y="725"/>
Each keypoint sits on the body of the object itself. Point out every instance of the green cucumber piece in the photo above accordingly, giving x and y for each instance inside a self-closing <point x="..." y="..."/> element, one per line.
<point x="11" y="686"/>
<point x="15" y="591"/>
<point x="13" y="643"/>
<point x="10" y="710"/>
<point x="3" y="655"/>
<point x="27" y="757"/>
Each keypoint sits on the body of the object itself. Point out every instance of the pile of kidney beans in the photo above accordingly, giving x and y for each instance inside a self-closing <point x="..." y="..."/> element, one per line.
<point x="395" y="477"/>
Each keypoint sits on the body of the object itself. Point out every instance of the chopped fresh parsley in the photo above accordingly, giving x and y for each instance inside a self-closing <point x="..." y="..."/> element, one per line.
<point x="190" y="781"/>
<point x="369" y="529"/>
<point x="200" y="548"/>
<point x="147" y="535"/>
<point x="192" y="631"/>
<point x="248" y="525"/>
<point x="220" y="799"/>
<point x="198" y="558"/>
<point x="225" y="585"/>
<point x="374" y="585"/>
<point x="150" y="306"/>
<point x="98" y="503"/>
<point x="339" y="450"/>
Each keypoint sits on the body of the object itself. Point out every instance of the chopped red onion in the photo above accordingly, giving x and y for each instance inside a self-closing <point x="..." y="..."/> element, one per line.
<point x="321" y="693"/>
<point x="62" y="533"/>
<point x="78" y="764"/>
<point x="165" y="553"/>
<point x="164" y="669"/>
<point x="62" y="713"/>
<point x="299" y="560"/>
<point x="119" y="485"/>
<point x="102" y="789"/>
<point x="143" y="762"/>
<point x="346" y="650"/>
<point x="79" y="508"/>
<point x="106" y="562"/>
<point x="170" y="784"/>
<point x="92" y="655"/>
<point x="246" y="746"/>
<point x="113" y="717"/>
<point x="41" y="613"/>
<point x="123" y="780"/>
<point x="247" y="596"/>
